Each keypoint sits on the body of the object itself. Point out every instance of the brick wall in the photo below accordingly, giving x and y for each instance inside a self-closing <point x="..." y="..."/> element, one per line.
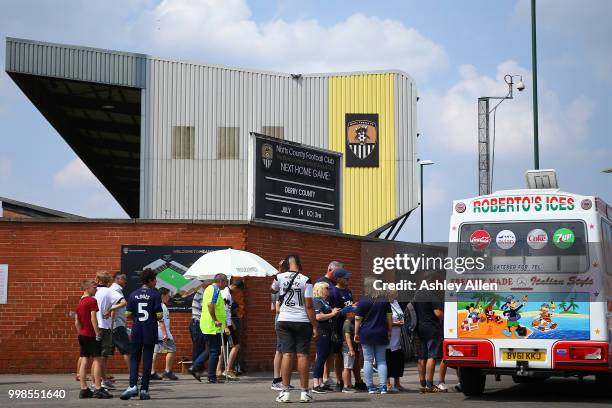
<point x="47" y="261"/>
<point x="13" y="214"/>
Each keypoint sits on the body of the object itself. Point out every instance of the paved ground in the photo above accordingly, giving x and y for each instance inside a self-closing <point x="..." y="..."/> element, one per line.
<point x="254" y="391"/>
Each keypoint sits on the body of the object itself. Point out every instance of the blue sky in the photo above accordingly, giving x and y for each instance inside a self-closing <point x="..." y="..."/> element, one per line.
<point x="456" y="51"/>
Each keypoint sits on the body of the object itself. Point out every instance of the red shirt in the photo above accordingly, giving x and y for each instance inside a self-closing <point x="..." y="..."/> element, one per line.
<point x="87" y="305"/>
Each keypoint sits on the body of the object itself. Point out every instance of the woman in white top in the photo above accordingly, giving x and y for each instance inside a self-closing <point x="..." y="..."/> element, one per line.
<point x="395" y="355"/>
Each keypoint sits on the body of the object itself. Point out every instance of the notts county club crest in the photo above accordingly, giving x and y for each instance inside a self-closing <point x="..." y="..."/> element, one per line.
<point x="267" y="154"/>
<point x="362" y="140"/>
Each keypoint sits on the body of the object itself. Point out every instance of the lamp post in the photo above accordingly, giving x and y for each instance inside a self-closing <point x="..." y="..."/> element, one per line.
<point x="422" y="163"/>
<point x="534" y="65"/>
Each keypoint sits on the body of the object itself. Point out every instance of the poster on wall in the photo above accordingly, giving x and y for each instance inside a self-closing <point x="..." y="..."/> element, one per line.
<point x="3" y="284"/>
<point x="362" y="139"/>
<point x="170" y="263"/>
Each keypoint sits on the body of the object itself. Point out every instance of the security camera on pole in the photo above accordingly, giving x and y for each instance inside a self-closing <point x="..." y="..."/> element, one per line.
<point x="486" y="154"/>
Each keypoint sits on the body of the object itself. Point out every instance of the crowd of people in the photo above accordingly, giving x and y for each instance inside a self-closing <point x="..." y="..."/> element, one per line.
<point x="375" y="334"/>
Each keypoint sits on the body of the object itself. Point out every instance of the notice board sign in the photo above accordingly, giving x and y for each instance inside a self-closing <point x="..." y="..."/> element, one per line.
<point x="296" y="184"/>
<point x="170" y="263"/>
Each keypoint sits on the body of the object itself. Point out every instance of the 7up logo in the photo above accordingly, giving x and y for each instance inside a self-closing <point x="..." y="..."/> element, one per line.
<point x="564" y="238"/>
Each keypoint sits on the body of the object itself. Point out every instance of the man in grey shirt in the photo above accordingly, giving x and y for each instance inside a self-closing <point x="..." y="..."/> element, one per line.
<point x="121" y="340"/>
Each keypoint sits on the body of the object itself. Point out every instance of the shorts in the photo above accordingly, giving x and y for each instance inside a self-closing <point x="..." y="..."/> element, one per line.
<point x="235" y="333"/>
<point x="430" y="348"/>
<point x="395" y="363"/>
<point x="278" y="343"/>
<point x="294" y="337"/>
<point x="170" y="347"/>
<point x="107" y="342"/>
<point x="512" y="323"/>
<point x="121" y="340"/>
<point x="89" y="346"/>
<point x="349" y="361"/>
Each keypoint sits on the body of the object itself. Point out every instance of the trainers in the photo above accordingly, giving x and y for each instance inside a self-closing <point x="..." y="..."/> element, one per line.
<point x="156" y="376"/>
<point x="442" y="387"/>
<point x="327" y="388"/>
<point x="458" y="388"/>
<point x="101" y="394"/>
<point x="383" y="389"/>
<point x="348" y="390"/>
<point x="231" y="375"/>
<point x="129" y="393"/>
<point x="319" y="390"/>
<point x="195" y="374"/>
<point x="338" y="387"/>
<point x="86" y="393"/>
<point x="306" y="396"/>
<point x="283" y="396"/>
<point x="277" y="386"/>
<point x="108" y="385"/>
<point x="373" y="390"/>
<point x="393" y="390"/>
<point x="144" y="395"/>
<point x="170" y="375"/>
<point x="361" y="386"/>
<point x="431" y="390"/>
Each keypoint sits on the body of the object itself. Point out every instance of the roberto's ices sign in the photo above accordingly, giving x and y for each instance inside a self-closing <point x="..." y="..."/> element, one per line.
<point x="530" y="203"/>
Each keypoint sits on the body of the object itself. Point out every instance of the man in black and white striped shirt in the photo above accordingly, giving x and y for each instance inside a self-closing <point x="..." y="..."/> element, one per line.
<point x="197" y="338"/>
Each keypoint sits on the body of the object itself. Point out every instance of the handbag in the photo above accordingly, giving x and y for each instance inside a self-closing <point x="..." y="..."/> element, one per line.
<point x="336" y="340"/>
<point x="282" y="296"/>
<point x="407" y="339"/>
<point x="334" y="337"/>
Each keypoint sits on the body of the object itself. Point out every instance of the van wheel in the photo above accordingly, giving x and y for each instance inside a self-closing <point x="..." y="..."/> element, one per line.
<point x="604" y="382"/>
<point x="472" y="381"/>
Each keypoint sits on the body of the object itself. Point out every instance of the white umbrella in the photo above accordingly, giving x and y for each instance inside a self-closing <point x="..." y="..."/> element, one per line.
<point x="231" y="262"/>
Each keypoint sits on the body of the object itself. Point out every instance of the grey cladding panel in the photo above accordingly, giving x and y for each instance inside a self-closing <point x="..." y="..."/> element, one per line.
<point x="223" y="105"/>
<point x="76" y="63"/>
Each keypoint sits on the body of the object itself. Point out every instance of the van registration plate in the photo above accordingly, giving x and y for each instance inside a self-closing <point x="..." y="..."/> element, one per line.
<point x="523" y="355"/>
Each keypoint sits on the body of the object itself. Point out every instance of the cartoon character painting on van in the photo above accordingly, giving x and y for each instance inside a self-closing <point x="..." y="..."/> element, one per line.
<point x="512" y="315"/>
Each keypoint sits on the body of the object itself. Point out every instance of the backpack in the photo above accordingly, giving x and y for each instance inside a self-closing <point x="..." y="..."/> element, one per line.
<point x="408" y="334"/>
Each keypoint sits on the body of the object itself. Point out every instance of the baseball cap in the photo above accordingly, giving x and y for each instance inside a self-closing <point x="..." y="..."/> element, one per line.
<point x="342" y="273"/>
<point x="348" y="309"/>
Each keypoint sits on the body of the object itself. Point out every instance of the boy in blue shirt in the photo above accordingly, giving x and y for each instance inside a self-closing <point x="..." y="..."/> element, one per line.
<point x="144" y="306"/>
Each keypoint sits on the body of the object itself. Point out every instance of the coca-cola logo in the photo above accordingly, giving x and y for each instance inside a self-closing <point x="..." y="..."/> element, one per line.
<point x="537" y="238"/>
<point x="480" y="240"/>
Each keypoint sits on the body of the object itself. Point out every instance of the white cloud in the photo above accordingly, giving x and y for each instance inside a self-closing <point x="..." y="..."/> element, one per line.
<point x="5" y="168"/>
<point x="75" y="175"/>
<point x="451" y="119"/>
<point x="225" y="27"/>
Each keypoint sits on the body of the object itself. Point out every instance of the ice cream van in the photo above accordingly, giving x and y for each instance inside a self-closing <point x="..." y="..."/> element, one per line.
<point x="548" y="255"/>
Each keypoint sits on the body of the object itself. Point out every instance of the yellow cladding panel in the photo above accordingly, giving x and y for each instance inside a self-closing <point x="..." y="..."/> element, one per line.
<point x="368" y="193"/>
